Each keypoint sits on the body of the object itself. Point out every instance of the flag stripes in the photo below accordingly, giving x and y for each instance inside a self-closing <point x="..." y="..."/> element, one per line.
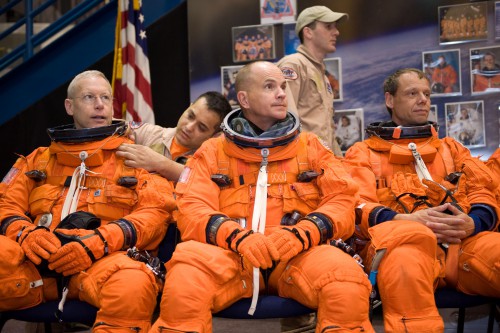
<point x="131" y="75"/>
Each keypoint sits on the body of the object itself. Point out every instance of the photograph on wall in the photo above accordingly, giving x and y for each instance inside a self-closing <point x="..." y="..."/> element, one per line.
<point x="463" y="23"/>
<point x="497" y="20"/>
<point x="443" y="70"/>
<point x="433" y="116"/>
<point x="485" y="70"/>
<point x="253" y="42"/>
<point x="228" y="89"/>
<point x="333" y="71"/>
<point x="349" y="127"/>
<point x="290" y="39"/>
<point x="465" y="123"/>
<point x="277" y="11"/>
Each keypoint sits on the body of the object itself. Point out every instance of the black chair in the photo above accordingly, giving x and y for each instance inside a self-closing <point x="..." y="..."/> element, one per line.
<point x="74" y="312"/>
<point x="269" y="306"/>
<point x="450" y="298"/>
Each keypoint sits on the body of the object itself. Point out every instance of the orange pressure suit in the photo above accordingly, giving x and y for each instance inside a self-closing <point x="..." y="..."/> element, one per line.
<point x="413" y="264"/>
<point x="132" y="205"/>
<point x="204" y="276"/>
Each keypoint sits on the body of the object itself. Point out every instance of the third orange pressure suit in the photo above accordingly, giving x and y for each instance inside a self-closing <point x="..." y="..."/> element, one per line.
<point x="414" y="265"/>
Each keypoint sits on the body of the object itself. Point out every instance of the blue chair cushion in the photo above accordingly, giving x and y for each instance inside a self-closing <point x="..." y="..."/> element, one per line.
<point x="451" y="298"/>
<point x="74" y="311"/>
<point x="268" y="306"/>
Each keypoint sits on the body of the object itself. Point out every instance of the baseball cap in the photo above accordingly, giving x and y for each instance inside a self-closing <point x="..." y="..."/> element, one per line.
<point x="317" y="13"/>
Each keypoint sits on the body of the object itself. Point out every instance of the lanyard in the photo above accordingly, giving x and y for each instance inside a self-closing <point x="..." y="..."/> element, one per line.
<point x="259" y="219"/>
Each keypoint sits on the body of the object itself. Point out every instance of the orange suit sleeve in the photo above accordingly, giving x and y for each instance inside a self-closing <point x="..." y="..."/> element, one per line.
<point x="339" y="192"/>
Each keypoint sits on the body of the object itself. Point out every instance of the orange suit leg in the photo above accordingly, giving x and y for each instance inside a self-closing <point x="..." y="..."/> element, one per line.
<point x="479" y="265"/>
<point x="327" y="279"/>
<point x="406" y="277"/>
<point x="201" y="279"/>
<point x="123" y="289"/>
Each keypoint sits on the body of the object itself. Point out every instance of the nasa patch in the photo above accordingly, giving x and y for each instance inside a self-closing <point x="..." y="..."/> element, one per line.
<point x="323" y="142"/>
<point x="13" y="172"/>
<point x="289" y="73"/>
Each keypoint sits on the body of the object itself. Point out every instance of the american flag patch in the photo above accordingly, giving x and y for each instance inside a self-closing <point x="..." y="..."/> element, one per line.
<point x="184" y="177"/>
<point x="10" y="175"/>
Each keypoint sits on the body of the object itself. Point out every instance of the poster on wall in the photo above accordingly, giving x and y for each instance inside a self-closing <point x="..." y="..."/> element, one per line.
<point x="253" y="42"/>
<point x="349" y="127"/>
<point x="485" y="70"/>
<point x="290" y="39"/>
<point x="463" y="23"/>
<point x="333" y="71"/>
<point x="465" y="123"/>
<point x="369" y="51"/>
<point x="228" y="89"/>
<point x="443" y="70"/>
<point x="277" y="11"/>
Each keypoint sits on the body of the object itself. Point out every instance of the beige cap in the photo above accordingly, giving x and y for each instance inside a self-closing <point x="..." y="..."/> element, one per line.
<point x="317" y="13"/>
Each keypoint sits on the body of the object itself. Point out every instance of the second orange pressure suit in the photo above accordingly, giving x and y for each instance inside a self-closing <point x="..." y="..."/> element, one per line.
<point x="208" y="277"/>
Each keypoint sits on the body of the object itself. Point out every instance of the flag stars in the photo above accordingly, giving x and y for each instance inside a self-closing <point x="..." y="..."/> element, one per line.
<point x="142" y="34"/>
<point x="141" y="18"/>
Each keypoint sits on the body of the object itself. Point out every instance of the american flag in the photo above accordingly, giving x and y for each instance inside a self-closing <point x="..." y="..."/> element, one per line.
<point x="131" y="77"/>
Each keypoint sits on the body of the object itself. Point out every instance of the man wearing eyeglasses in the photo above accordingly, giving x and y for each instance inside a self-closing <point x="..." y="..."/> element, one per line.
<point x="69" y="211"/>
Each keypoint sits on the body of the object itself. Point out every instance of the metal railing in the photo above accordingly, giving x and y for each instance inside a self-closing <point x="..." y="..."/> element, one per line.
<point x="32" y="40"/>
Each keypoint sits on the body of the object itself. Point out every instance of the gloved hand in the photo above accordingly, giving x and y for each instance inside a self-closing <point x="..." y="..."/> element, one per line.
<point x="37" y="242"/>
<point x="436" y="193"/>
<point x="409" y="191"/>
<point x="257" y="248"/>
<point x="82" y="247"/>
<point x="290" y="242"/>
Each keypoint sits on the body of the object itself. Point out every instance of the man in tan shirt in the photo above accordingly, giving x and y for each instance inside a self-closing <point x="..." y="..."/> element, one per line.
<point x="165" y="150"/>
<point x="309" y="91"/>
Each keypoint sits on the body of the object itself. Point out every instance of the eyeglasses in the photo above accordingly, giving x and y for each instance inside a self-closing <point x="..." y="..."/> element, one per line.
<point x="91" y="99"/>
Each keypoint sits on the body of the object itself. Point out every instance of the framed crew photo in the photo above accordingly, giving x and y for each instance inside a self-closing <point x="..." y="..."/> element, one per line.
<point x="277" y="11"/>
<point x="463" y="23"/>
<point x="485" y="70"/>
<point x="334" y="74"/>
<point x="253" y="42"/>
<point x="349" y="127"/>
<point x="465" y="123"/>
<point x="228" y="89"/>
<point x="443" y="70"/>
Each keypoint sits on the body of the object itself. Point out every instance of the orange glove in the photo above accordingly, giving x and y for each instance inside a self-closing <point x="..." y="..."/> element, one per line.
<point x="37" y="242"/>
<point x="257" y="248"/>
<point x="82" y="248"/>
<point x="290" y="242"/>
<point x="409" y="191"/>
<point x="437" y="193"/>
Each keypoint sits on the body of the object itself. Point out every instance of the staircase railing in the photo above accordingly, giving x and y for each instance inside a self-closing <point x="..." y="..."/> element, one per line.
<point x="26" y="50"/>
